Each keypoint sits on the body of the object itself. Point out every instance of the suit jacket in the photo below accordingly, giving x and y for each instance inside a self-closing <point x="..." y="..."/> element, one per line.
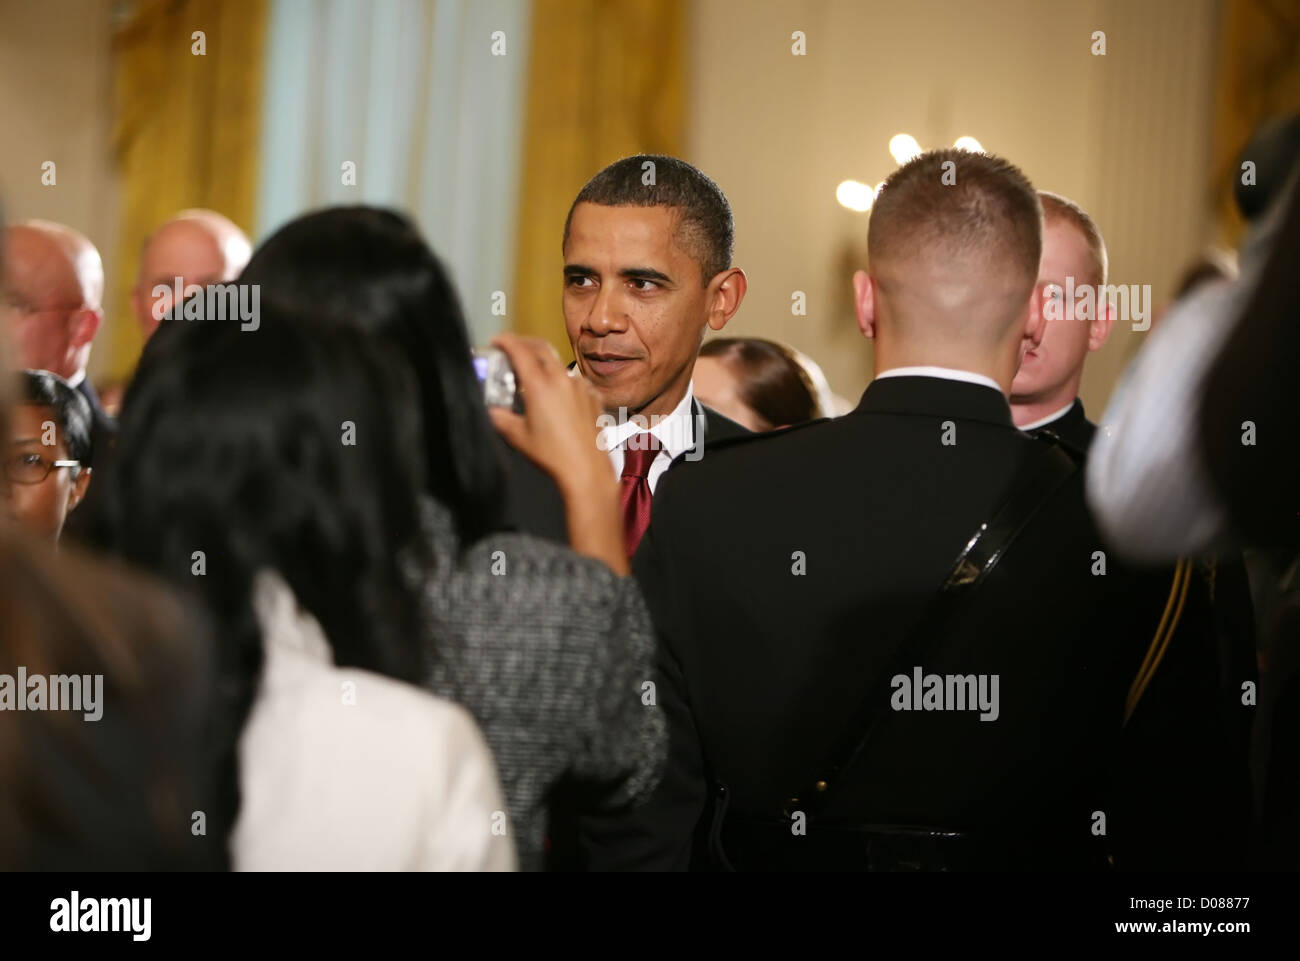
<point x="783" y="570"/>
<point x="533" y="502"/>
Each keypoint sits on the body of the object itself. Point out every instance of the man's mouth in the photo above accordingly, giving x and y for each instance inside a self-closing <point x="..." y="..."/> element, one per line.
<point x="608" y="365"/>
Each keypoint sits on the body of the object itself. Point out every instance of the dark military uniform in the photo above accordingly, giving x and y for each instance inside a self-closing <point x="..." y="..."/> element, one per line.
<point x="1215" y="625"/>
<point x="784" y="570"/>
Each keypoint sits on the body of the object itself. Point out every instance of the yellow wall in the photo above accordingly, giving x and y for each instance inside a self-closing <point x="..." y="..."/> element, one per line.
<point x="1126" y="135"/>
<point x="56" y="82"/>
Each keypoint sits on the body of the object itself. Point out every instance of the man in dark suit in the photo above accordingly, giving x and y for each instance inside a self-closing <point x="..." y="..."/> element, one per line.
<point x="55" y="284"/>
<point x="647" y="268"/>
<point x="817" y="718"/>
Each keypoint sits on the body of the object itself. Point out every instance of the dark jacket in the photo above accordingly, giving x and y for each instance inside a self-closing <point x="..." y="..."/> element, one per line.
<point x="783" y="571"/>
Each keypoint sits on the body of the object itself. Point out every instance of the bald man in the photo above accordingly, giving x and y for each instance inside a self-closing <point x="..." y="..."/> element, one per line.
<point x="198" y="247"/>
<point x="54" y="284"/>
<point x="886" y="640"/>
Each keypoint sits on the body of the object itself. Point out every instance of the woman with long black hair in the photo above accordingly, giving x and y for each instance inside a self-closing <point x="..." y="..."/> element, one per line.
<point x="273" y="475"/>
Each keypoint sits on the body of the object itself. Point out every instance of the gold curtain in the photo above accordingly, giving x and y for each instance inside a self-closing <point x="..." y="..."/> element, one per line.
<point x="186" y="129"/>
<point x="606" y="78"/>
<point x="1259" y="79"/>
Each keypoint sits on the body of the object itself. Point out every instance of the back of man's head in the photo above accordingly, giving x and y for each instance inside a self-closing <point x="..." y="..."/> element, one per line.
<point x="954" y="244"/>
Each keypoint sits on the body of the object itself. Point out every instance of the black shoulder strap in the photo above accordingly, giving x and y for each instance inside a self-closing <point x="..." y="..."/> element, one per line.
<point x="1035" y="484"/>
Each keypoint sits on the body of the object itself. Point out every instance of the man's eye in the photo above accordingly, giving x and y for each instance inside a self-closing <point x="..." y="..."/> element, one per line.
<point x="644" y="285"/>
<point x="29" y="459"/>
<point x="578" y="281"/>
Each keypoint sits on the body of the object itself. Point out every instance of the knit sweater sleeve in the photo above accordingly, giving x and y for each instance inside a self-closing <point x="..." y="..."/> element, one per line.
<point x="625" y="739"/>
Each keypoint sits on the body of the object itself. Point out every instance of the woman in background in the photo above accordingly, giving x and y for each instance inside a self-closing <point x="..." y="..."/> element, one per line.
<point x="272" y="475"/>
<point x="758" y="383"/>
<point x="548" y="647"/>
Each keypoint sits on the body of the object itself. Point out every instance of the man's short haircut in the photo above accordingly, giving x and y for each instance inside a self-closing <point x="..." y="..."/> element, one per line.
<point x="71" y="410"/>
<point x="1056" y="207"/>
<point x="704" y="223"/>
<point x="981" y="206"/>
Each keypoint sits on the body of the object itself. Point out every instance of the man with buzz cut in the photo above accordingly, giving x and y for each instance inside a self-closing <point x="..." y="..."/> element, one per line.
<point x="890" y="641"/>
<point x="647" y="270"/>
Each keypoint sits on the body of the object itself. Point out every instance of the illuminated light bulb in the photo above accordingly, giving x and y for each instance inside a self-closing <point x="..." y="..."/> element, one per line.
<point x="855" y="196"/>
<point x="903" y="147"/>
<point x="969" y="144"/>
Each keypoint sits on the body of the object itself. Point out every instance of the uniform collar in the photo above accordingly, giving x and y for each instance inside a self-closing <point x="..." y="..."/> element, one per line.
<point x="943" y="373"/>
<point x="935" y="396"/>
<point x="1052" y="417"/>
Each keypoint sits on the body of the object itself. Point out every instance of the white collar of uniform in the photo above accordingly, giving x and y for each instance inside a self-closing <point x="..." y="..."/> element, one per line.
<point x="75" y="380"/>
<point x="1055" y="415"/>
<point x="285" y="625"/>
<point x="946" y="373"/>
<point x="676" y="432"/>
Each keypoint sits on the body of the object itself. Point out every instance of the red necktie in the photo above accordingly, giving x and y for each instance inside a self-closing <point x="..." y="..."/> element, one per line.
<point x="639" y="453"/>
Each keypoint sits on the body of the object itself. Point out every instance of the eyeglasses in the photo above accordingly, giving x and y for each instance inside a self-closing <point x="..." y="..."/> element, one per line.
<point x="22" y="307"/>
<point x="29" y="468"/>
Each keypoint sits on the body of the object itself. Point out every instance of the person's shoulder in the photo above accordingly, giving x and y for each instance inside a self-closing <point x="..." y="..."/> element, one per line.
<point x="509" y="584"/>
<point x="374" y="705"/>
<point x="527" y="554"/>
<point x="722" y="458"/>
<point x="718" y="426"/>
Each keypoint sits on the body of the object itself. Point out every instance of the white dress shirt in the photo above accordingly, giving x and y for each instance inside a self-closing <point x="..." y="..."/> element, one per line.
<point x="1054" y="415"/>
<point x="676" y="434"/>
<point x="344" y="770"/>
<point x="944" y="373"/>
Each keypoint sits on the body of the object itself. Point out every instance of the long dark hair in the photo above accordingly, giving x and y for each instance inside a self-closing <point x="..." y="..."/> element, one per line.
<point x="235" y="444"/>
<point x="368" y="268"/>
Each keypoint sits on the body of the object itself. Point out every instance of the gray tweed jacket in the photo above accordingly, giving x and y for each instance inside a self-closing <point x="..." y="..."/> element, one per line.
<point x="549" y="651"/>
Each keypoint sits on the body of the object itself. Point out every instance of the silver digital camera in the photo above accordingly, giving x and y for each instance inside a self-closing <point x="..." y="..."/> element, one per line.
<point x="498" y="379"/>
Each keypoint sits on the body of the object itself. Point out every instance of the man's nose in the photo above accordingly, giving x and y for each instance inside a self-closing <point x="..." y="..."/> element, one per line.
<point x="608" y="315"/>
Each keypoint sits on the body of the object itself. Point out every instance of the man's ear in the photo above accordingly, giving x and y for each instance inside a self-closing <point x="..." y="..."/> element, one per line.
<point x="728" y="291"/>
<point x="84" y="326"/>
<point x="78" y="492"/>
<point x="1099" y="330"/>
<point x="864" y="301"/>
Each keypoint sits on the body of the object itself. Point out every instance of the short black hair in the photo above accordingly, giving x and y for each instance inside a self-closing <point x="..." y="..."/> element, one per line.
<point x="705" y="215"/>
<point x="71" y="410"/>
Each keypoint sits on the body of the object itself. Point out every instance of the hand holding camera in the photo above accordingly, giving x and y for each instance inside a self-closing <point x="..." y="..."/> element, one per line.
<point x="557" y="431"/>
